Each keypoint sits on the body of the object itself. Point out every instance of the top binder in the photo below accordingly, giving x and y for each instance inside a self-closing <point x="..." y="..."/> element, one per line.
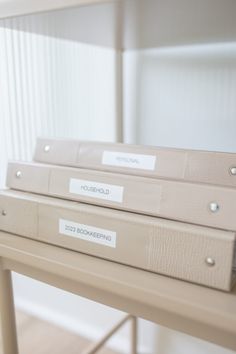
<point x="156" y="162"/>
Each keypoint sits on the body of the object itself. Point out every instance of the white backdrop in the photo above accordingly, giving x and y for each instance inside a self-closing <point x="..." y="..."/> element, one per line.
<point x="182" y="97"/>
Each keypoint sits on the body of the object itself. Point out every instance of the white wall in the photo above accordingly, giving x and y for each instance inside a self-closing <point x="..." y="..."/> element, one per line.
<point x="61" y="87"/>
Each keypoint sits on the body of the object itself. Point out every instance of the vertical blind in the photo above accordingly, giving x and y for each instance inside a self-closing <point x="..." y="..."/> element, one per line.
<point x="52" y="86"/>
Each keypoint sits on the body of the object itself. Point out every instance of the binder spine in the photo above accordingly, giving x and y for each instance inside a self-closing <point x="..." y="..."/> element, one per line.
<point x="193" y="203"/>
<point x="154" y="162"/>
<point x="162" y="246"/>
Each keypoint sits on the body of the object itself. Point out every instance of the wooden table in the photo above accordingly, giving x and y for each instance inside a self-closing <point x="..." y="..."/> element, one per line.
<point x="189" y="308"/>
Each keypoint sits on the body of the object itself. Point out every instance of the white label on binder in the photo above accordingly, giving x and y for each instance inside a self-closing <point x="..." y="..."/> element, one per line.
<point x="96" y="190"/>
<point x="123" y="159"/>
<point x="87" y="233"/>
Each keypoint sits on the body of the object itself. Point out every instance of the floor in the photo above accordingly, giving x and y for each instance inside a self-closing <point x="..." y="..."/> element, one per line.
<point x="39" y="337"/>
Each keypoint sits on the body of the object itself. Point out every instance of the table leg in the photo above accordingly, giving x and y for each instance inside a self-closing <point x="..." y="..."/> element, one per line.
<point x="134" y="335"/>
<point x="7" y="313"/>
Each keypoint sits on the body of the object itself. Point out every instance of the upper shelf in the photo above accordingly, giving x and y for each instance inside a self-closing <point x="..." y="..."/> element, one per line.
<point x="134" y="24"/>
<point x="11" y="8"/>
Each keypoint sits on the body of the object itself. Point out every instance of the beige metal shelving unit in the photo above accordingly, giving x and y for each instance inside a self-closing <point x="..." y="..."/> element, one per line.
<point x="201" y="312"/>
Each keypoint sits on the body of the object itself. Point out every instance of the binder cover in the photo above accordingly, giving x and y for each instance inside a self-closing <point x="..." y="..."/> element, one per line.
<point x="201" y="204"/>
<point x="163" y="246"/>
<point x="157" y="162"/>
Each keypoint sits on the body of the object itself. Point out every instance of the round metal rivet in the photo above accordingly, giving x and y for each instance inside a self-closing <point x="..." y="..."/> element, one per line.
<point x="4" y="213"/>
<point x="210" y="261"/>
<point x="214" y="207"/>
<point x="46" y="148"/>
<point x="233" y="171"/>
<point x="18" y="174"/>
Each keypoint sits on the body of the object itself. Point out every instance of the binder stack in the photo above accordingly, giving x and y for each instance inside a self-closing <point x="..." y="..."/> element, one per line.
<point x="168" y="211"/>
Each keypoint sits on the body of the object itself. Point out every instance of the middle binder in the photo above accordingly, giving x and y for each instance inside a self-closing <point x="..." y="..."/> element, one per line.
<point x="193" y="203"/>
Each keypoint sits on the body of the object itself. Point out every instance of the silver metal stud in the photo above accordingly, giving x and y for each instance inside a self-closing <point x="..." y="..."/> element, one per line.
<point x="210" y="262"/>
<point x="18" y="174"/>
<point x="4" y="213"/>
<point x="46" y="148"/>
<point x="214" y="207"/>
<point x="233" y="171"/>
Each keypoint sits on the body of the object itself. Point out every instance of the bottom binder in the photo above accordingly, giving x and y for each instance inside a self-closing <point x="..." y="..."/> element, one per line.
<point x="193" y="253"/>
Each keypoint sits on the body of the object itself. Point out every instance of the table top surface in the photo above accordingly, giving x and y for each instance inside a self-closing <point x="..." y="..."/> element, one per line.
<point x="203" y="312"/>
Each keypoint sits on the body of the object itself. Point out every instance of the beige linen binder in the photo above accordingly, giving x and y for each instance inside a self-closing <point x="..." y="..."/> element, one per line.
<point x="201" y="204"/>
<point x="192" y="253"/>
<point x="157" y="162"/>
